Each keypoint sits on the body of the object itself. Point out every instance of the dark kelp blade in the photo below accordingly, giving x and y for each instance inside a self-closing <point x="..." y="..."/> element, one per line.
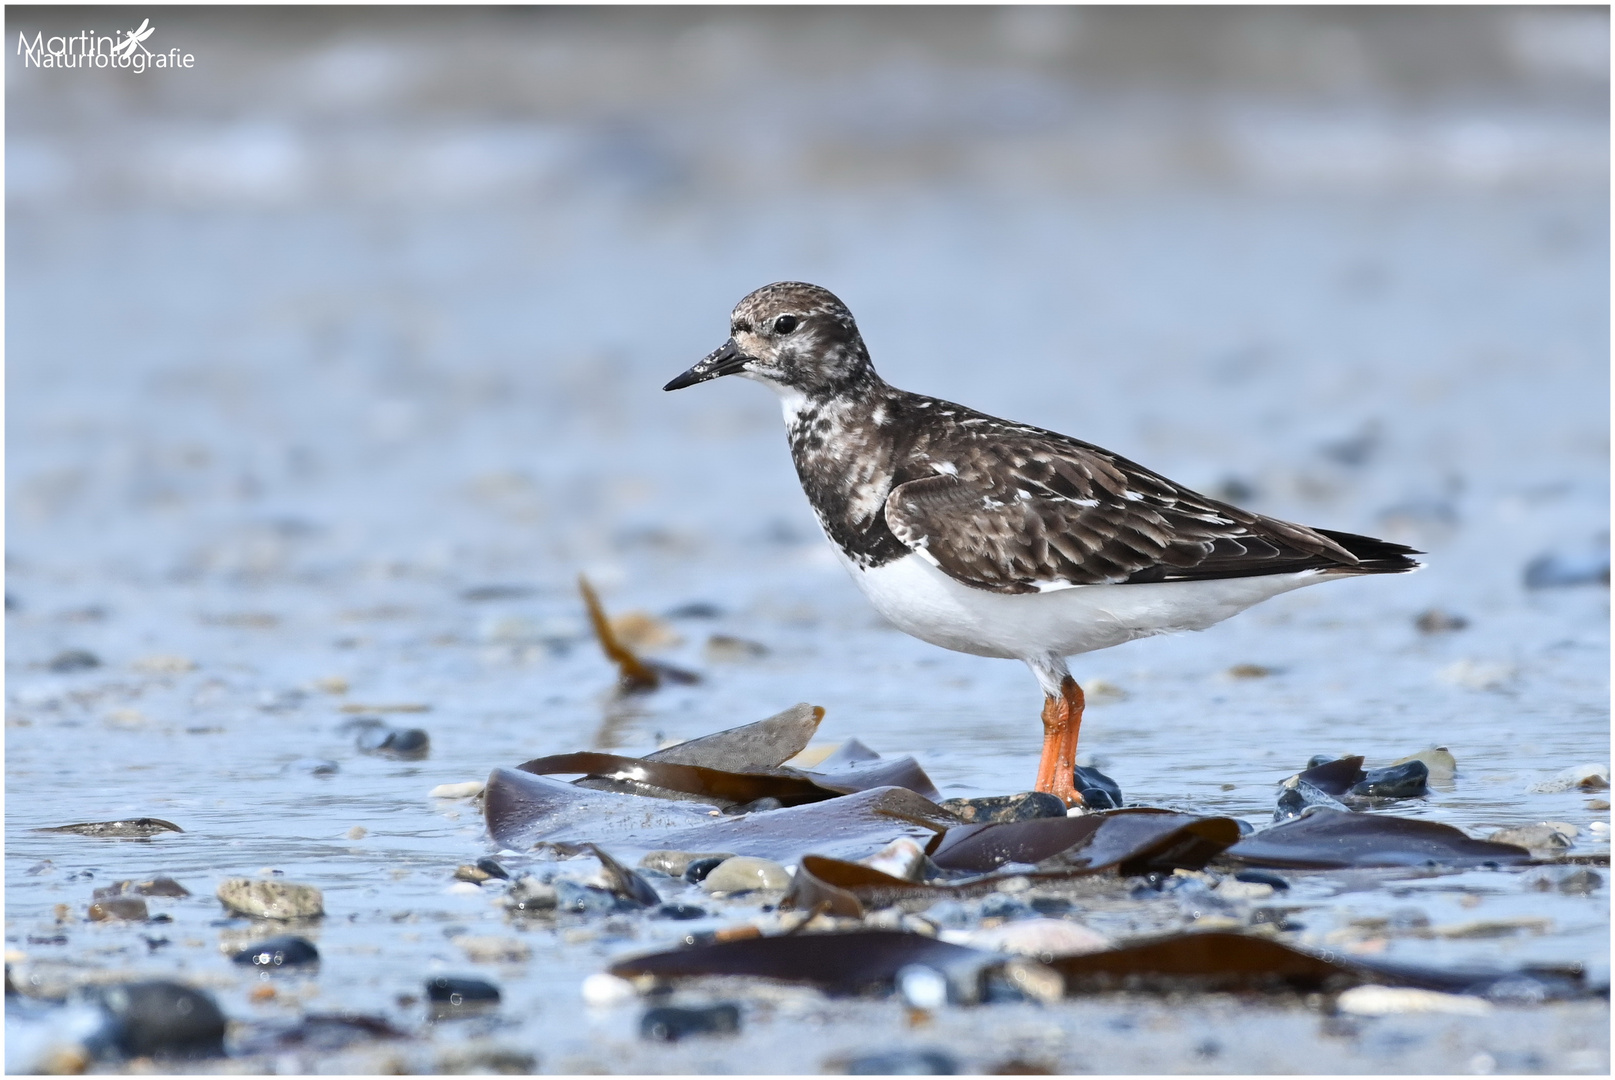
<point x="522" y="809"/>
<point x="1325" y="839"/>
<point x="1133" y="841"/>
<point x="838" y="887"/>
<point x="790" y="788"/>
<point x="1206" y="962"/>
<point x="848" y="963"/>
<point x="1334" y="777"/>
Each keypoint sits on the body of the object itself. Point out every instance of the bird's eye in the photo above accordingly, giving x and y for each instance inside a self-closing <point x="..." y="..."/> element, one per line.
<point x="785" y="324"/>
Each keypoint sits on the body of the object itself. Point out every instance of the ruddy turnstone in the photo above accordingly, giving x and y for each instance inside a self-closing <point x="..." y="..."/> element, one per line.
<point x="1001" y="539"/>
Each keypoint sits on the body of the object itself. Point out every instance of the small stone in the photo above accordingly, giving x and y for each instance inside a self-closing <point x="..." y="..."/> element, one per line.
<point x="999" y="808"/>
<point x="163" y="665"/>
<point x="1436" y="621"/>
<point x="698" y="869"/>
<point x="744" y="873"/>
<point x="276" y="953"/>
<point x="602" y="990"/>
<point x="670" y="1024"/>
<point x="912" y="1062"/>
<point x="675" y="863"/>
<point x="71" y="660"/>
<point x="1035" y="980"/>
<point x="358" y="832"/>
<point x="485" y="1059"/>
<point x="1494" y="928"/>
<point x="122" y="908"/>
<point x="922" y="987"/>
<point x="1478" y="674"/>
<point x="1232" y="889"/>
<point x="1098" y="791"/>
<point x="492" y="868"/>
<point x="1249" y="671"/>
<point x="405" y="744"/>
<point x="1397" y="1000"/>
<point x="1541" y="838"/>
<point x="161" y="1017"/>
<point x="1442" y="766"/>
<point x="1040" y="938"/>
<point x="470" y="789"/>
<point x="474" y="874"/>
<point x="756" y="806"/>
<point x="1589" y="777"/>
<point x="262" y="994"/>
<point x="158" y="886"/>
<point x="528" y="896"/>
<point x="902" y="858"/>
<point x="313" y="767"/>
<point x="578" y="899"/>
<point x="1581" y="882"/>
<point x="678" y="912"/>
<point x="493" y="950"/>
<point x="331" y="684"/>
<point x="450" y="997"/>
<point x="723" y="649"/>
<point x="271" y="899"/>
<point x="1404" y="781"/>
<point x="1263" y="877"/>
<point x="1598" y="804"/>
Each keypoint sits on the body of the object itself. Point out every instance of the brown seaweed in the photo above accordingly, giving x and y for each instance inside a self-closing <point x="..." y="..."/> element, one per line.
<point x="1325" y="839"/>
<point x="523" y="809"/>
<point x="1207" y="962"/>
<point x="127" y="829"/>
<point x="1132" y="841"/>
<point x="855" y="962"/>
<point x="634" y="675"/>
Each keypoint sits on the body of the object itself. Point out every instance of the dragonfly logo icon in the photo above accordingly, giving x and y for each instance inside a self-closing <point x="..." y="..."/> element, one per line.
<point x="126" y="50"/>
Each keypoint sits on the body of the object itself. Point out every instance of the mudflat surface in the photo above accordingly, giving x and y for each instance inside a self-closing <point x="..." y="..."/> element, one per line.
<point x="313" y="414"/>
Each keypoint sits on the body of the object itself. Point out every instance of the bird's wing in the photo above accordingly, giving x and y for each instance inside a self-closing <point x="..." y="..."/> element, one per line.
<point x="1032" y="512"/>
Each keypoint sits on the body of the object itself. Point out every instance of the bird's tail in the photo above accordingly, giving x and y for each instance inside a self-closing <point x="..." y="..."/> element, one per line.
<point x="1374" y="556"/>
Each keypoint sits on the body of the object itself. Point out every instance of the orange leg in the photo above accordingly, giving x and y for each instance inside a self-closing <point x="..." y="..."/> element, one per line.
<point x="1062" y="719"/>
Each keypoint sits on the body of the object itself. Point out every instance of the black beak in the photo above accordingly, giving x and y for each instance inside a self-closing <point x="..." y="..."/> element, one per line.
<point x="725" y="360"/>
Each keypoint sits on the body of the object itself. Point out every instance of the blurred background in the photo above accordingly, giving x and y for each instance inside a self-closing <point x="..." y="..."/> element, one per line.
<point x="333" y="360"/>
<point x="372" y="305"/>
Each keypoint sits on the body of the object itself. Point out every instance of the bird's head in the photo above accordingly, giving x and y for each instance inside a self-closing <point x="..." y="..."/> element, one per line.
<point x="796" y="338"/>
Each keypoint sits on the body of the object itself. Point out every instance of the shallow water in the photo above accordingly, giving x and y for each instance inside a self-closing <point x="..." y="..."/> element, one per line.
<point x="279" y="439"/>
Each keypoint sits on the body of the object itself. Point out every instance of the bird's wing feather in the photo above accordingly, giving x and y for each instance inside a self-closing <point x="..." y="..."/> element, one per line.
<point x="1033" y="511"/>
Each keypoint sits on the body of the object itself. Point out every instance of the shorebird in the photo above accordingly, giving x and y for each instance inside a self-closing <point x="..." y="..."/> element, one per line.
<point x="1001" y="539"/>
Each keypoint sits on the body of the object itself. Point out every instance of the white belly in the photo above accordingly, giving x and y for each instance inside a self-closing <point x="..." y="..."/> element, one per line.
<point x="921" y="600"/>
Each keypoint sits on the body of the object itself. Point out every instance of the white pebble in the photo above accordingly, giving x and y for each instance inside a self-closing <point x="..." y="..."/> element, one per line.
<point x="744" y="873"/>
<point x="603" y="990"/>
<point x="1038" y="937"/>
<point x="468" y="790"/>
<point x="923" y="987"/>
<point x="1599" y="828"/>
<point x="467" y="888"/>
<point x="902" y="858"/>
<point x="1391" y="1000"/>
<point x="1589" y="777"/>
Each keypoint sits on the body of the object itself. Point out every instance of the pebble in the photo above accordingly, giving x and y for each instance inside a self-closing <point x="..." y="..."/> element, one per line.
<point x="476" y="875"/>
<point x="158" y="886"/>
<point x="283" y="951"/>
<point x="125" y="908"/>
<point x="1233" y="889"/>
<point x="604" y="990"/>
<point x="1589" y="777"/>
<point x="450" y="996"/>
<point x="470" y="789"/>
<point x="1263" y="877"/>
<point x="910" y="1062"/>
<point x="579" y="899"/>
<point x="1537" y="839"/>
<point x="677" y="863"/>
<point x="923" y="987"/>
<point x="1436" y="621"/>
<point x="493" y="868"/>
<point x="405" y="744"/>
<point x="1581" y="882"/>
<point x="1298" y="795"/>
<point x="744" y="873"/>
<point x="669" y="1023"/>
<point x="1556" y="571"/>
<point x="678" y="912"/>
<point x="528" y="895"/>
<point x="1404" y="781"/>
<point x="1098" y="791"/>
<point x="1034" y="937"/>
<point x="1395" y="1000"/>
<point x="998" y="808"/>
<point x="1478" y="674"/>
<point x="756" y="806"/>
<point x="485" y="1059"/>
<point x="73" y="660"/>
<point x="903" y="858"/>
<point x="1034" y="979"/>
<point x="271" y="899"/>
<point x="721" y="648"/>
<point x="1598" y="804"/>
<point x="493" y="950"/>
<point x="160" y="1017"/>
<point x="313" y="767"/>
<point x="1438" y="760"/>
<point x="163" y="664"/>
<point x="358" y="832"/>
